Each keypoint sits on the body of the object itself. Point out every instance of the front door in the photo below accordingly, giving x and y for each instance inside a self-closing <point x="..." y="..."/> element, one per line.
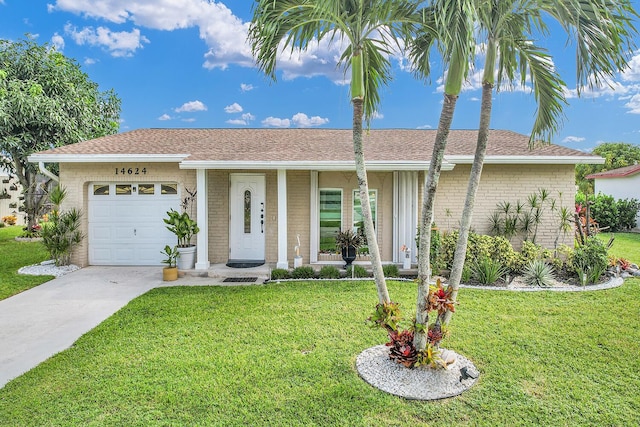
<point x="247" y="218"/>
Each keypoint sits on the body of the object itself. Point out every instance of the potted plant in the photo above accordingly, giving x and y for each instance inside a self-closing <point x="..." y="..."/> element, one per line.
<point x="348" y="243"/>
<point x="170" y="272"/>
<point x="184" y="228"/>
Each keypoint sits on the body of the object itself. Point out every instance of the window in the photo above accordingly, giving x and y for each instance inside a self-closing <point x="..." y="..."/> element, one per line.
<point x="123" y="189"/>
<point x="169" y="188"/>
<point x="247" y="212"/>
<point x="358" y="221"/>
<point x="145" y="189"/>
<point x="330" y="218"/>
<point x="100" y="189"/>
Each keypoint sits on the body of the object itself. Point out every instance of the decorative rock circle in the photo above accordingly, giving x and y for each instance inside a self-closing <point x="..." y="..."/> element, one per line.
<point x="422" y="383"/>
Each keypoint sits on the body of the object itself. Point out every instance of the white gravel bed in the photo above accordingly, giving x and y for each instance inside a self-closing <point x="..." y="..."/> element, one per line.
<point x="48" y="268"/>
<point x="422" y="383"/>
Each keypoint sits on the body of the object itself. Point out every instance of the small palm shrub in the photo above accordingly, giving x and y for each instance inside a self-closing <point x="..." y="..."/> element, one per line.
<point x="357" y="271"/>
<point x="329" y="272"/>
<point x="488" y="270"/>
<point x="390" y="270"/>
<point x="538" y="273"/>
<point x="304" y="272"/>
<point x="279" y="274"/>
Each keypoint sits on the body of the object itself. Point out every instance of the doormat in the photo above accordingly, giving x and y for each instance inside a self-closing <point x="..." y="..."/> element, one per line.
<point x="245" y="264"/>
<point x="241" y="279"/>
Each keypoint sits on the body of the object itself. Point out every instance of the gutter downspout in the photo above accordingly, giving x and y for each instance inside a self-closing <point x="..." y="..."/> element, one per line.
<point x="47" y="173"/>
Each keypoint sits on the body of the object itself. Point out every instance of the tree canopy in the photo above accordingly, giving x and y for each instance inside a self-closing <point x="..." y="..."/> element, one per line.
<point x="46" y="101"/>
<point x="616" y="155"/>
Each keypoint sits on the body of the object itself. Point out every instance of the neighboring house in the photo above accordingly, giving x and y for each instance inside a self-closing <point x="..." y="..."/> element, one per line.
<point x="258" y="189"/>
<point x="621" y="183"/>
<point x="10" y="194"/>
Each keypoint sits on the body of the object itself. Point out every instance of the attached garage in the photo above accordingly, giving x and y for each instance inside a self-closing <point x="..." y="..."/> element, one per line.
<point x="126" y="222"/>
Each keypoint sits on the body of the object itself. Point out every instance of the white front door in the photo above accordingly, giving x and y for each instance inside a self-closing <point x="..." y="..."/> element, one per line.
<point x="247" y="218"/>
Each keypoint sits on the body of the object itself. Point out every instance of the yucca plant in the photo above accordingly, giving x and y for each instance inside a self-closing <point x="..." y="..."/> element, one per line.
<point x="487" y="271"/>
<point x="538" y="273"/>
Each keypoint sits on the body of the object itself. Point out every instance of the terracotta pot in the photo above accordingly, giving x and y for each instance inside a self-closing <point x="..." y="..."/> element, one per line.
<point x="169" y="274"/>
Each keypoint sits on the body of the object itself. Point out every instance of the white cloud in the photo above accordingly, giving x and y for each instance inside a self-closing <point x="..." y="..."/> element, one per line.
<point x="58" y="42"/>
<point x="117" y="43"/>
<point x="244" y="121"/>
<point x="90" y="61"/>
<point x="224" y="33"/>
<point x="164" y="117"/>
<point x="246" y="87"/>
<point x="191" y="106"/>
<point x="190" y="120"/>
<point x="301" y="120"/>
<point x="570" y="139"/>
<point x="377" y="115"/>
<point x="275" y="122"/>
<point x="634" y="104"/>
<point x="233" y="108"/>
<point x="632" y="73"/>
<point x="425" y="127"/>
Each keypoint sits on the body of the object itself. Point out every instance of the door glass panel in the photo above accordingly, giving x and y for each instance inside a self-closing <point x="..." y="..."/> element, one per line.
<point x="330" y="218"/>
<point x="101" y="189"/>
<point x="123" y="189"/>
<point x="358" y="220"/>
<point x="146" y="188"/>
<point x="169" y="189"/>
<point x="247" y="212"/>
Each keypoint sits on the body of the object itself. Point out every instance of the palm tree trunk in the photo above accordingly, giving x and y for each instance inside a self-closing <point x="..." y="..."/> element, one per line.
<point x="431" y="185"/>
<point x="459" y="256"/>
<point x="361" y="172"/>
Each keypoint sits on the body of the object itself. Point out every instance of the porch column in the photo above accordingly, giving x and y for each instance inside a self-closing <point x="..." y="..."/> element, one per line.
<point x="405" y="214"/>
<point x="314" y="223"/>
<point x="202" y="197"/>
<point x="282" y="219"/>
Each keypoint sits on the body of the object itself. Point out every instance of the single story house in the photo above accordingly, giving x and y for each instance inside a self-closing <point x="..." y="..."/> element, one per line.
<point x="621" y="183"/>
<point x="261" y="191"/>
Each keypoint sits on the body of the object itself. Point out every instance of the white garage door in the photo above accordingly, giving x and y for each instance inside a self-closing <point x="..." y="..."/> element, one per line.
<point x="125" y="222"/>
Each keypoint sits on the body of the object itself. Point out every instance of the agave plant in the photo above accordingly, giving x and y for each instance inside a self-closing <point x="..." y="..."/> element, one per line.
<point x="538" y="273"/>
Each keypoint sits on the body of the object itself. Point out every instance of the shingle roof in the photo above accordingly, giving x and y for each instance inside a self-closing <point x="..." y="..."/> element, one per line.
<point x="616" y="173"/>
<point x="304" y="145"/>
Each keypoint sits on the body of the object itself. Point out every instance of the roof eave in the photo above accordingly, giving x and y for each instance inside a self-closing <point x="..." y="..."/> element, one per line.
<point x="524" y="160"/>
<point x="106" y="158"/>
<point x="309" y="165"/>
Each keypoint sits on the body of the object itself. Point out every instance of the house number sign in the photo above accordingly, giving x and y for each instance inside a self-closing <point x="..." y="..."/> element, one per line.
<point x="131" y="171"/>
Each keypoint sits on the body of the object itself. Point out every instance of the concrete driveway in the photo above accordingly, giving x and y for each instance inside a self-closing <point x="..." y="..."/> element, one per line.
<point x="40" y="322"/>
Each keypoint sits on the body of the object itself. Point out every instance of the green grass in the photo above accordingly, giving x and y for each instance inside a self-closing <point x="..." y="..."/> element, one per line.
<point x="625" y="245"/>
<point x="14" y="255"/>
<point x="283" y="354"/>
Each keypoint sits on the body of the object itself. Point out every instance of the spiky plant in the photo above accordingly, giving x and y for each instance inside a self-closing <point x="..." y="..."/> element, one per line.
<point x="538" y="273"/>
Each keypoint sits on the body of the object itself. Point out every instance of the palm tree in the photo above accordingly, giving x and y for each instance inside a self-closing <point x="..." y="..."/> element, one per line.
<point x="603" y="32"/>
<point x="449" y="25"/>
<point x="368" y="28"/>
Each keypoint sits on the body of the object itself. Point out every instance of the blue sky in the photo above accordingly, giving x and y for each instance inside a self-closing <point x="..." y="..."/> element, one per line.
<point x="185" y="63"/>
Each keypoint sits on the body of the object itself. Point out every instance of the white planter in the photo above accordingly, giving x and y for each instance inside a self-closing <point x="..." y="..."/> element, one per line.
<point x="187" y="258"/>
<point x="297" y="261"/>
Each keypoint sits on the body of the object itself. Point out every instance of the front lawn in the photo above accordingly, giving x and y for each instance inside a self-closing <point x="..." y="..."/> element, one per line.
<point x="14" y="255"/>
<point x="283" y="354"/>
<point x="625" y="245"/>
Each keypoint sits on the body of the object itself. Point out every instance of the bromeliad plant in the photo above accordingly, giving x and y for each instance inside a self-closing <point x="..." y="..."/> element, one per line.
<point x="401" y="347"/>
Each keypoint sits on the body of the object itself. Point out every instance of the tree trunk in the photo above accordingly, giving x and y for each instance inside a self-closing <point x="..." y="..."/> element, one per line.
<point x="428" y="200"/>
<point x="472" y="188"/>
<point x="361" y="172"/>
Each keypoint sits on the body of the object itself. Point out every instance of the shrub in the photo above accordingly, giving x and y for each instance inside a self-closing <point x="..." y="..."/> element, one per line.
<point x="304" y="272"/>
<point x="279" y="273"/>
<point x="604" y="211"/>
<point x="589" y="261"/>
<point x="488" y="270"/>
<point x="357" y="271"/>
<point x="329" y="272"/>
<point x="9" y="220"/>
<point x="481" y="246"/>
<point x="538" y="273"/>
<point x="627" y="211"/>
<point x="466" y="273"/>
<point x="390" y="270"/>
